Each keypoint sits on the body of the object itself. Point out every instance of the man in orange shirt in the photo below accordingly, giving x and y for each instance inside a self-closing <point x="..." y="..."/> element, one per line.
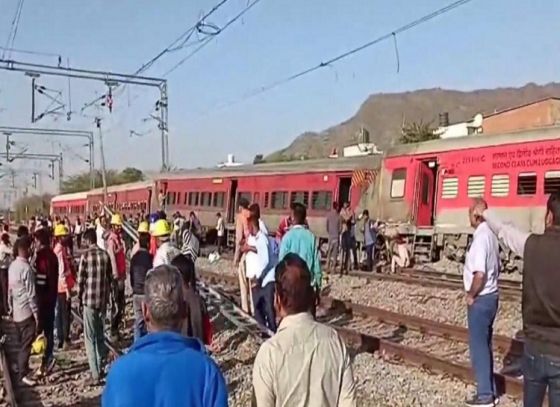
<point x="241" y="233"/>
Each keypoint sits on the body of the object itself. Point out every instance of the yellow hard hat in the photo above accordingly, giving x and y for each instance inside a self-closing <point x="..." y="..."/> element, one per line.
<point x="39" y="345"/>
<point x="144" y="227"/>
<point x="161" y="228"/>
<point x="60" y="230"/>
<point x="116" y="219"/>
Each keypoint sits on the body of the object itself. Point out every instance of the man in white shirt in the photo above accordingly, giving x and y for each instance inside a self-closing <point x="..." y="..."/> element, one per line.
<point x="166" y="250"/>
<point x="100" y="232"/>
<point x="221" y="232"/>
<point x="480" y="277"/>
<point x="259" y="269"/>
<point x="305" y="364"/>
<point x="400" y="256"/>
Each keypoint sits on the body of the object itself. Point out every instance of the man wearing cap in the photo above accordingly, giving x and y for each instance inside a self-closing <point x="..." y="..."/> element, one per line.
<point x="166" y="251"/>
<point x="116" y="252"/>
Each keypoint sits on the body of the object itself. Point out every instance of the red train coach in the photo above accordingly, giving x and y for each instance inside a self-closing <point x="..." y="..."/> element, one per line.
<point x="274" y="186"/>
<point x="70" y="205"/>
<point x="128" y="199"/>
<point x="428" y="187"/>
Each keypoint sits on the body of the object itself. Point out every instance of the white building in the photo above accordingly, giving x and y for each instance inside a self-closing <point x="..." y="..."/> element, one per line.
<point x="473" y="126"/>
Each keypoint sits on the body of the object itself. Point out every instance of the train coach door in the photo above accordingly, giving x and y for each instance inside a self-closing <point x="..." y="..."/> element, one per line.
<point x="425" y="192"/>
<point x="232" y="201"/>
<point x="344" y="185"/>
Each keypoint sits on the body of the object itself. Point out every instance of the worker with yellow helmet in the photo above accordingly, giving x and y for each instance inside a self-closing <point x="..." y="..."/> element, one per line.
<point x="143" y="229"/>
<point x="166" y="250"/>
<point x="116" y="250"/>
<point x="66" y="282"/>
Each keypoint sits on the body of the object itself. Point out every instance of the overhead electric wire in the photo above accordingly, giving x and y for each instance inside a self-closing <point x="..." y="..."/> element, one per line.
<point x="24" y="51"/>
<point x="182" y="39"/>
<point x="346" y="54"/>
<point x="187" y="33"/>
<point x="212" y="36"/>
<point x="14" y="28"/>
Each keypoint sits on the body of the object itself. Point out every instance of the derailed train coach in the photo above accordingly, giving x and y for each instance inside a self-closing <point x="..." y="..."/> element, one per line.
<point x="425" y="189"/>
<point x="422" y="190"/>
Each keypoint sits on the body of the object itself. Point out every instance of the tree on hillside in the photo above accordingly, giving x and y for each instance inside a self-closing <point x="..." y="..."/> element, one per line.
<point x="81" y="182"/>
<point x="130" y="174"/>
<point x="416" y="132"/>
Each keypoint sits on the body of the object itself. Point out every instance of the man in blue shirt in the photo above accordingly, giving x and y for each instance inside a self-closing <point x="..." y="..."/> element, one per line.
<point x="164" y="368"/>
<point x="301" y="241"/>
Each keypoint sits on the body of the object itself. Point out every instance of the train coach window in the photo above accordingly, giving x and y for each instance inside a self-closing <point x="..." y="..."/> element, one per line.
<point x="193" y="198"/>
<point x="450" y="188"/>
<point x="500" y="185"/>
<point x="475" y="186"/>
<point x="186" y="198"/>
<point x="398" y="182"/>
<point x="244" y="195"/>
<point x="206" y="199"/>
<point x="321" y="200"/>
<point x="301" y="197"/>
<point x="551" y="182"/>
<point x="219" y="198"/>
<point x="266" y="199"/>
<point x="279" y="200"/>
<point x="527" y="183"/>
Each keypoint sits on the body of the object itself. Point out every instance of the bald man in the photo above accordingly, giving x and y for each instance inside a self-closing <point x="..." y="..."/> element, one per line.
<point x="480" y="278"/>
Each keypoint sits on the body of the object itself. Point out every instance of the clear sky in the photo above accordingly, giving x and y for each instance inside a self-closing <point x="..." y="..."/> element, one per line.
<point x="484" y="44"/>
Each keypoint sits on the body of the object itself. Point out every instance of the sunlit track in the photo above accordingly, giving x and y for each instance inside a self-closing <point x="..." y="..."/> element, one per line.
<point x="437" y="347"/>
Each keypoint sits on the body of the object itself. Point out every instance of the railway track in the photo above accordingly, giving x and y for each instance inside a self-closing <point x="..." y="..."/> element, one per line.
<point x="437" y="347"/>
<point x="509" y="290"/>
<point x="64" y="380"/>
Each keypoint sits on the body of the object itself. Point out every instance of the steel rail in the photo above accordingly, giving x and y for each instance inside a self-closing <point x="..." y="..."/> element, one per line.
<point x="501" y="343"/>
<point x="410" y="356"/>
<point x="108" y="341"/>
<point x="416" y="278"/>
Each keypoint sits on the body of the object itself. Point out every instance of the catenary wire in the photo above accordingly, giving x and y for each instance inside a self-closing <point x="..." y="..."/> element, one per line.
<point x="346" y="54"/>
<point x="212" y="36"/>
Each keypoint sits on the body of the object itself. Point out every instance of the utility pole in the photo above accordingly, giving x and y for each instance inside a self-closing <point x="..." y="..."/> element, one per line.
<point x="46" y="157"/>
<point x="34" y="178"/>
<point x="109" y="78"/>
<point x="31" y="131"/>
<point x="102" y="154"/>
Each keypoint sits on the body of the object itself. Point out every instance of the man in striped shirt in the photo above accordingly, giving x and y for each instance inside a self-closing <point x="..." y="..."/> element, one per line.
<point x="94" y="282"/>
<point x="187" y="242"/>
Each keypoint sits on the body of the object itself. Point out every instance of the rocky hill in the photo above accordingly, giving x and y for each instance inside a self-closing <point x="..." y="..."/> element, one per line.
<point x="383" y="115"/>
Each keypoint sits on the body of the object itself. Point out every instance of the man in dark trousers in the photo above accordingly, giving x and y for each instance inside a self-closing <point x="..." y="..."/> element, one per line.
<point x="540" y="300"/>
<point x="23" y="300"/>
<point x="46" y="280"/>
<point x="140" y="263"/>
<point x="94" y="284"/>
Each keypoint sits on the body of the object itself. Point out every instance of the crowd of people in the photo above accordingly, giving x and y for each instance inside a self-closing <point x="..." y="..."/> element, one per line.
<point x="280" y="279"/>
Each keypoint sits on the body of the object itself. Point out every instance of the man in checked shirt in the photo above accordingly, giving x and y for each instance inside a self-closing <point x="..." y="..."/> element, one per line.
<point x="94" y="282"/>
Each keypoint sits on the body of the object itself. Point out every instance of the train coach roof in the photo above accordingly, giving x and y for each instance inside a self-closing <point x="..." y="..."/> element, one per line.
<point x="474" y="141"/>
<point x="73" y="196"/>
<point x="303" y="166"/>
<point x="131" y="186"/>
